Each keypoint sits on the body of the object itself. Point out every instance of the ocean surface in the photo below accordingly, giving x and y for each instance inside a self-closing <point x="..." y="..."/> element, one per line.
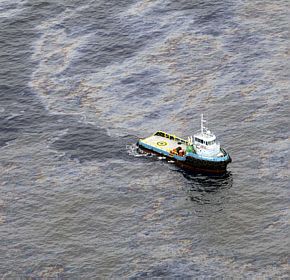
<point x="81" y="81"/>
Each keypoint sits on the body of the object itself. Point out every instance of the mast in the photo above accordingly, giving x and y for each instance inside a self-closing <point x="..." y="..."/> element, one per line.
<point x="201" y="124"/>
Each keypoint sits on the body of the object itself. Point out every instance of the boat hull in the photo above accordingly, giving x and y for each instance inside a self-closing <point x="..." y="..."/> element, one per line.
<point x="205" y="165"/>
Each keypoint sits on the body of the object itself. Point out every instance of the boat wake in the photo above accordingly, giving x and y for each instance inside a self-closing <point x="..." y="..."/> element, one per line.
<point x="134" y="150"/>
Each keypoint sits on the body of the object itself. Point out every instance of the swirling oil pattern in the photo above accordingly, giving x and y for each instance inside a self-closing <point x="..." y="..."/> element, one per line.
<point x="81" y="81"/>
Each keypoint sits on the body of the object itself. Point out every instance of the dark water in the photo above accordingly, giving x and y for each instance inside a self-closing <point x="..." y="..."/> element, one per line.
<point x="82" y="80"/>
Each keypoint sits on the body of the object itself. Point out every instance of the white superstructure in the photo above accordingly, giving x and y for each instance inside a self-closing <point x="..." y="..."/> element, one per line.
<point x="205" y="143"/>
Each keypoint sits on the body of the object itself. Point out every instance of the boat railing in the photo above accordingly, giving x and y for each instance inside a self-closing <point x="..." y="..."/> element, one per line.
<point x="171" y="137"/>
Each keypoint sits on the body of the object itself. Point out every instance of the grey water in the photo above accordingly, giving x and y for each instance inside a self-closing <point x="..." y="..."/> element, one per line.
<point x="81" y="81"/>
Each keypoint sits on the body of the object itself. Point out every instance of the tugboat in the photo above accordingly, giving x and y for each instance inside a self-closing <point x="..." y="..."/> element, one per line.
<point x="200" y="153"/>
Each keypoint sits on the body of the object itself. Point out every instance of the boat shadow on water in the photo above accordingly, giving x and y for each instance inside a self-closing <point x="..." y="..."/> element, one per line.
<point x="206" y="188"/>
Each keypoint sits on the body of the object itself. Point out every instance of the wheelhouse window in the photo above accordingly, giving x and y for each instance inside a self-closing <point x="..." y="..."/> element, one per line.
<point x="197" y="140"/>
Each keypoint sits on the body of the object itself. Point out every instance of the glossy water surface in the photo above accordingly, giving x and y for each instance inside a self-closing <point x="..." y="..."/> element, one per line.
<point x="82" y="80"/>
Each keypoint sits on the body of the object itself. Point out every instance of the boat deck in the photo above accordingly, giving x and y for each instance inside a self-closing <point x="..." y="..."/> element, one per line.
<point x="163" y="143"/>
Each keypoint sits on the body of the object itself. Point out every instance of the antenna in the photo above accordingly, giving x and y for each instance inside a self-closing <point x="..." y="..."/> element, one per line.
<point x="201" y="124"/>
